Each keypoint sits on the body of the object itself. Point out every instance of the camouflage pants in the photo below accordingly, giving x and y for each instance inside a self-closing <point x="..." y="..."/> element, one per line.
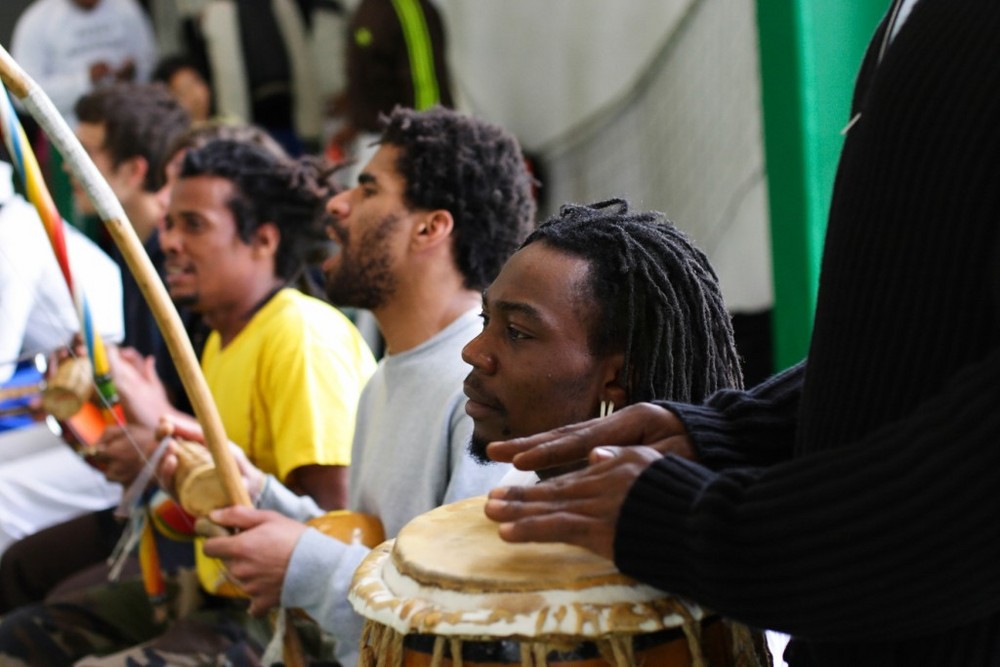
<point x="112" y="624"/>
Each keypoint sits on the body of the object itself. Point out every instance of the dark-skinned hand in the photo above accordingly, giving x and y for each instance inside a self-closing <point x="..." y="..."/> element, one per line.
<point x="578" y="508"/>
<point x="256" y="557"/>
<point x="640" y="424"/>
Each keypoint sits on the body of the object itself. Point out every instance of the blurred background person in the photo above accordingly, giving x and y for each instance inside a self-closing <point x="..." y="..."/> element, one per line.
<point x="71" y="47"/>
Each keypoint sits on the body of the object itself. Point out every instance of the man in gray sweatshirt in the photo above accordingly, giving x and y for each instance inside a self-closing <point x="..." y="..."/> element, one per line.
<point x="435" y="214"/>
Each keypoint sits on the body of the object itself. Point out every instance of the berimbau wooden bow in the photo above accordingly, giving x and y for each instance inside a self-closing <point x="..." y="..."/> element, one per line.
<point x="38" y="104"/>
<point x="23" y="158"/>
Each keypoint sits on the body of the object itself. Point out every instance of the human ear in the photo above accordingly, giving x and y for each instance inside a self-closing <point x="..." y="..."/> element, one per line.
<point x="614" y="391"/>
<point x="433" y="228"/>
<point x="266" y="239"/>
<point x="133" y="171"/>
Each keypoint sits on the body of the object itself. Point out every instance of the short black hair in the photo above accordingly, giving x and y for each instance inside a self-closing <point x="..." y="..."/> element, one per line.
<point x="200" y="134"/>
<point x="268" y="188"/>
<point x="658" y="300"/>
<point x="172" y="64"/>
<point x="140" y="120"/>
<point x="475" y="171"/>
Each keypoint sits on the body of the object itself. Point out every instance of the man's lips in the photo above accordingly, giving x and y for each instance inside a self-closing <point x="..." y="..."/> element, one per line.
<point x="480" y="405"/>
<point x="330" y="263"/>
<point x="174" y="273"/>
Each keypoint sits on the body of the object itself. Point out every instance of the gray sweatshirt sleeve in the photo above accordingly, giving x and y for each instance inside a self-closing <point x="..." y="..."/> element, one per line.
<point x="317" y="581"/>
<point x="279" y="498"/>
<point x="319" y="572"/>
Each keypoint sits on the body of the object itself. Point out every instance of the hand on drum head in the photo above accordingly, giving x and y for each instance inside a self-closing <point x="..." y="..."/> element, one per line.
<point x="578" y="508"/>
<point x="640" y="424"/>
<point x="258" y="556"/>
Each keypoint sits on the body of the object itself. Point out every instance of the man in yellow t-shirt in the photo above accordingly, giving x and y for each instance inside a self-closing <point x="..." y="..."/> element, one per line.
<point x="285" y="369"/>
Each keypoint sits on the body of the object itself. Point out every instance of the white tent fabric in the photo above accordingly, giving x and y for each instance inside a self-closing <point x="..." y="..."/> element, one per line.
<point x="544" y="67"/>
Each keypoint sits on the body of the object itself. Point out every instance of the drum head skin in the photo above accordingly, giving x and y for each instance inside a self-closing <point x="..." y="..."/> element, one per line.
<point x="449" y="573"/>
<point x="456" y="547"/>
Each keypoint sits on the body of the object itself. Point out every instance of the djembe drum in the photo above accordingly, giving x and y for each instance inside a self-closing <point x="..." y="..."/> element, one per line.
<point x="448" y="591"/>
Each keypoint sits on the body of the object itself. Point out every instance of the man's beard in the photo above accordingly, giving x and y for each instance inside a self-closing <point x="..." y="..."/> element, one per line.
<point x="477" y="448"/>
<point x="364" y="280"/>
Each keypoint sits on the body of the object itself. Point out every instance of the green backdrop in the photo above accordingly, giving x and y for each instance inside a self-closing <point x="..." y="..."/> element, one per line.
<point x="810" y="51"/>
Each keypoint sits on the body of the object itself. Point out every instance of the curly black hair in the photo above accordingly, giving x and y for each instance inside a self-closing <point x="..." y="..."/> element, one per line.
<point x="268" y="187"/>
<point x="475" y="171"/>
<point x="140" y="120"/>
<point x="658" y="300"/>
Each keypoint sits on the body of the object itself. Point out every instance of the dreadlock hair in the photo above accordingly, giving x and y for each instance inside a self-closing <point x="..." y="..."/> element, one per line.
<point x="657" y="298"/>
<point x="475" y="171"/>
<point x="267" y="188"/>
<point x="140" y="120"/>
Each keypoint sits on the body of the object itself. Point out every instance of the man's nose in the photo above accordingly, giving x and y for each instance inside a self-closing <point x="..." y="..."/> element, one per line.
<point x="476" y="354"/>
<point x="339" y="205"/>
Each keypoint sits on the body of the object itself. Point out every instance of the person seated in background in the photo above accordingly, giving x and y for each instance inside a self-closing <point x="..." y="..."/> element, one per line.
<point x="285" y="371"/>
<point x="71" y="47"/>
<point x="188" y="83"/>
<point x="126" y="130"/>
<point x="45" y="483"/>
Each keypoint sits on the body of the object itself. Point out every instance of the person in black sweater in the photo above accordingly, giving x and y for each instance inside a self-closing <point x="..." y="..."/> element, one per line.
<point x="850" y="500"/>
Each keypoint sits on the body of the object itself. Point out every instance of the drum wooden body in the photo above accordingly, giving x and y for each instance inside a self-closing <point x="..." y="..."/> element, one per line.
<point x="449" y="591"/>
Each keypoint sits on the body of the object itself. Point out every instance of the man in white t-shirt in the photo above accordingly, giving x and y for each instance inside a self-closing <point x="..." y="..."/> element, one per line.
<point x="47" y="483"/>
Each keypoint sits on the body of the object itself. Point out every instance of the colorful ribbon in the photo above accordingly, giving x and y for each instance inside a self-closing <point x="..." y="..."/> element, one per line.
<point x="23" y="158"/>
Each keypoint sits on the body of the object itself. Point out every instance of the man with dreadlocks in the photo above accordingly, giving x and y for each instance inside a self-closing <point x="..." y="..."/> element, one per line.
<point x="601" y="307"/>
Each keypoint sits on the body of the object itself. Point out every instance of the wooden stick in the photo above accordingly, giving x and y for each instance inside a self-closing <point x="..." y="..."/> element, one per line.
<point x="110" y="210"/>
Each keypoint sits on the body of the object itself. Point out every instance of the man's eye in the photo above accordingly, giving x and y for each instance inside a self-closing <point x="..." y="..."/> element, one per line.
<point x="484" y="316"/>
<point x="516" y="334"/>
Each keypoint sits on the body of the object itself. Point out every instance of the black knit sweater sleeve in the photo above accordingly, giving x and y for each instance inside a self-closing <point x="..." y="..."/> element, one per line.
<point x="839" y="557"/>
<point x="745" y="428"/>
